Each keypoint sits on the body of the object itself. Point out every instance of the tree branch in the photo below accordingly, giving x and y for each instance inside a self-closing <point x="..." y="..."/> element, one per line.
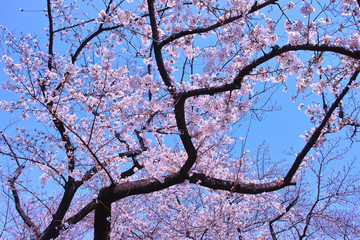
<point x="179" y="99"/>
<point x="238" y="187"/>
<point x="102" y="221"/>
<point x="14" y="191"/>
<point x="287" y="209"/>
<point x="115" y="192"/>
<point x="89" y="38"/>
<point x="27" y="220"/>
<point x="80" y="214"/>
<point x="181" y="34"/>
<point x="52" y="231"/>
<point x="287" y="48"/>
<point x="184" y="136"/>
<point x="315" y="136"/>
<point x="157" y="50"/>
<point x="51" y="35"/>
<point x="236" y="84"/>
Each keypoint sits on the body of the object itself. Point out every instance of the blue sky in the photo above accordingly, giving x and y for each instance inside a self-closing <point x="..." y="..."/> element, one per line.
<point x="31" y="18"/>
<point x="280" y="129"/>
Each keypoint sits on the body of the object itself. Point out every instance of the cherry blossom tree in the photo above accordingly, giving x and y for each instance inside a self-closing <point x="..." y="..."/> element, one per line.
<point x="133" y="113"/>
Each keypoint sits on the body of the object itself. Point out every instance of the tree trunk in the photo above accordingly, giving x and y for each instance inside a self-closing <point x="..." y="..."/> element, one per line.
<point x="102" y="222"/>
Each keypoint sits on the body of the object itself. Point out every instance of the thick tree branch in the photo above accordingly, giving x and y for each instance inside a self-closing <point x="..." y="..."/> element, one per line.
<point x="118" y="191"/>
<point x="51" y="35"/>
<point x="184" y="136"/>
<point x="136" y="166"/>
<point x="236" y="84"/>
<point x="52" y="231"/>
<point x="181" y="34"/>
<point x="88" y="208"/>
<point x="317" y="133"/>
<point x="14" y="191"/>
<point x="89" y="38"/>
<point x="102" y="221"/>
<point x="238" y="187"/>
<point x="157" y="50"/>
<point x="27" y="220"/>
<point x="287" y="48"/>
<point x="179" y="100"/>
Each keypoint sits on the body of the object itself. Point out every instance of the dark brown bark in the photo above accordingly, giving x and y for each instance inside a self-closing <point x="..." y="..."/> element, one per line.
<point x="315" y="136"/>
<point x="287" y="209"/>
<point x="115" y="192"/>
<point x="236" y="84"/>
<point x="157" y="50"/>
<point x="27" y="220"/>
<point x="102" y="220"/>
<point x="238" y="187"/>
<point x="200" y="30"/>
<point x="52" y="231"/>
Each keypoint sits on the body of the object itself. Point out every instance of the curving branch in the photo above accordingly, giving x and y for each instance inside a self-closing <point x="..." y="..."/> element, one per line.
<point x="133" y="155"/>
<point x="179" y="99"/>
<point x="89" y="38"/>
<point x="118" y="191"/>
<point x="235" y="186"/>
<point x="317" y="133"/>
<point x="184" y="136"/>
<point x="27" y="220"/>
<point x="157" y="50"/>
<point x="132" y="170"/>
<point x="184" y="33"/>
<point x="287" y="48"/>
<point x="287" y="209"/>
<point x="236" y="84"/>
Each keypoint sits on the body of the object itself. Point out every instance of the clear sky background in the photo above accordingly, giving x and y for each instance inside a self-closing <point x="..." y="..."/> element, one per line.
<point x="32" y="18"/>
<point x="280" y="129"/>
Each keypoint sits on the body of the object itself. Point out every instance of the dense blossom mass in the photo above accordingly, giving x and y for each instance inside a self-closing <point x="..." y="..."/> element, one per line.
<point x="135" y="119"/>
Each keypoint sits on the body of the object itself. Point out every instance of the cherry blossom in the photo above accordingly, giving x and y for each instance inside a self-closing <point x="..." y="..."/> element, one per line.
<point x="134" y="120"/>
